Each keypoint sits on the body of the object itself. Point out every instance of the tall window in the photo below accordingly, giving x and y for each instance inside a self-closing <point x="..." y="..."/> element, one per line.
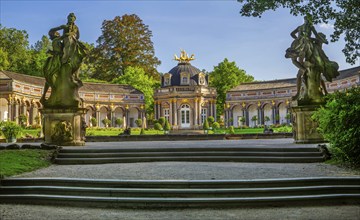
<point x="203" y="115"/>
<point x="167" y="114"/>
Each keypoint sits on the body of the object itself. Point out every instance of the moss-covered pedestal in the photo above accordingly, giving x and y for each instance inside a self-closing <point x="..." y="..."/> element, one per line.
<point x="64" y="127"/>
<point x="305" y="129"/>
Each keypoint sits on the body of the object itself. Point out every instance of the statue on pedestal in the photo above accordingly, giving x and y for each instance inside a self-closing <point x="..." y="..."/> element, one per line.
<point x="307" y="54"/>
<point x="63" y="115"/>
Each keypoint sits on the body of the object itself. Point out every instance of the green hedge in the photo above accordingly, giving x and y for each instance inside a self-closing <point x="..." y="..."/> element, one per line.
<point x="339" y="123"/>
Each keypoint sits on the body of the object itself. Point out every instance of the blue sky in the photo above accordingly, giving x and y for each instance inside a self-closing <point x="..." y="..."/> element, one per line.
<point x="212" y="30"/>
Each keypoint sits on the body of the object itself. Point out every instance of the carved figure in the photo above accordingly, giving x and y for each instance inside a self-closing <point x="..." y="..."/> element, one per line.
<point x="62" y="65"/>
<point x="307" y="54"/>
<point x="62" y="131"/>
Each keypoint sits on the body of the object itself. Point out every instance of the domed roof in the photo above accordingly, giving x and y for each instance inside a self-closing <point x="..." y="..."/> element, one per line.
<point x="185" y="70"/>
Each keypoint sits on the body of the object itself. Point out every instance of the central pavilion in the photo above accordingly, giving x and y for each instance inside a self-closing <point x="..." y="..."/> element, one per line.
<point x="185" y="98"/>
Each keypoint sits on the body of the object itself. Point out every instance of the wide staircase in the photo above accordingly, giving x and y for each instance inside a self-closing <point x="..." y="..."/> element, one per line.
<point x="194" y="154"/>
<point x="184" y="193"/>
<point x="180" y="193"/>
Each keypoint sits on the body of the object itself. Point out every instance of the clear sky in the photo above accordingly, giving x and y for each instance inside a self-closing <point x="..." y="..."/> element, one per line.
<point x="212" y="30"/>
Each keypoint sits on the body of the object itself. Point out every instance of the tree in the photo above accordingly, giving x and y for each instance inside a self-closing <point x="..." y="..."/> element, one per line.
<point x="167" y="126"/>
<point x="139" y="122"/>
<point x="119" y="122"/>
<point x="37" y="57"/>
<point x="266" y="119"/>
<point x="224" y="77"/>
<point x="125" y="41"/>
<point x="211" y="120"/>
<point x="137" y="78"/>
<point x="345" y="14"/>
<point x="14" y="49"/>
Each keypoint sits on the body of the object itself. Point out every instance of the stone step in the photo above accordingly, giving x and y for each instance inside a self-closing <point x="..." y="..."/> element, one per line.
<point x="180" y="193"/>
<point x="252" y="159"/>
<point x="193" y="153"/>
<point x="189" y="149"/>
<point x="175" y="184"/>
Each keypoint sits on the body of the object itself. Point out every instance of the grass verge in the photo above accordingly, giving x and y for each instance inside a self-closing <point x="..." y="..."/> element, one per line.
<point x="13" y="162"/>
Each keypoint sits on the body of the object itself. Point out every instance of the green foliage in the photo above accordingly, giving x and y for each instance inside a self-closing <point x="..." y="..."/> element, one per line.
<point x="225" y="76"/>
<point x="119" y="122"/>
<point x="167" y="126"/>
<point x="106" y="122"/>
<point x="344" y="13"/>
<point x="93" y="121"/>
<point x="339" y="123"/>
<point x="137" y="78"/>
<point x="38" y="55"/>
<point x="211" y="120"/>
<point x="215" y="125"/>
<point x="283" y="129"/>
<point x="125" y="42"/>
<point x="231" y="130"/>
<point x="14" y="46"/>
<point x="142" y="131"/>
<point x="22" y="120"/>
<point x="138" y="122"/>
<point x="254" y="119"/>
<point x="158" y="127"/>
<point x="206" y="125"/>
<point x="162" y="121"/>
<point x="10" y="129"/>
<point x="13" y="162"/>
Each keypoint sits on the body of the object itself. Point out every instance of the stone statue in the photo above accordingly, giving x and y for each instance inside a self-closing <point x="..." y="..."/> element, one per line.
<point x="62" y="65"/>
<point x="307" y="54"/>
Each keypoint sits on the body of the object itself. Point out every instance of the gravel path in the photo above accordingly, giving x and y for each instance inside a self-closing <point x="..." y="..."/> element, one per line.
<point x="188" y="171"/>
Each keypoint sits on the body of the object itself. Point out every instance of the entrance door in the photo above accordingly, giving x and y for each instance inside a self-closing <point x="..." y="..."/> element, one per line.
<point x="185" y="116"/>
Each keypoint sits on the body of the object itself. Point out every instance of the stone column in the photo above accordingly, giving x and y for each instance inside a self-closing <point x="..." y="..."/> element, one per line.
<point x="210" y="108"/>
<point x="196" y="113"/>
<point x="33" y="114"/>
<point x="10" y="110"/>
<point x="170" y="112"/>
<point x="175" y="113"/>
<point x="16" y="113"/>
<point x="214" y="105"/>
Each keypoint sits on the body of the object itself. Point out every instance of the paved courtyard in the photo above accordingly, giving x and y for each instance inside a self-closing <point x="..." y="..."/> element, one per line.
<point x="188" y="171"/>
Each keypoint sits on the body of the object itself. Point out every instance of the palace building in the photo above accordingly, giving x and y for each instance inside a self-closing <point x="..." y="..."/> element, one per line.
<point x="269" y="102"/>
<point x="20" y="95"/>
<point x="185" y="98"/>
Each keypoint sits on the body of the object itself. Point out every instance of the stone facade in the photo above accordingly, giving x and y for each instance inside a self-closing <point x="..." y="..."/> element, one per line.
<point x="20" y="95"/>
<point x="270" y="101"/>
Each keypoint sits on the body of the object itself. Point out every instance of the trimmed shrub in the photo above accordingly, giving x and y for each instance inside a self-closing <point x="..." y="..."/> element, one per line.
<point x="211" y="120"/>
<point x="119" y="122"/>
<point x="138" y="122"/>
<point x="167" y="126"/>
<point x="215" y="125"/>
<point x="231" y="130"/>
<point x="161" y="121"/>
<point x="142" y="131"/>
<point x="339" y="123"/>
<point x="157" y="126"/>
<point x="206" y="125"/>
<point x="93" y="121"/>
<point x="106" y="122"/>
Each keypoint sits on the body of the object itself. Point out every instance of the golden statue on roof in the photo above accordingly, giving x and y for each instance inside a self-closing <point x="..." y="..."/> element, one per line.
<point x="184" y="57"/>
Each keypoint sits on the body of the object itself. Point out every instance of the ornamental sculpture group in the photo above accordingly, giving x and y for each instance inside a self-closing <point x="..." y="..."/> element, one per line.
<point x="314" y="66"/>
<point x="63" y="115"/>
<point x="307" y="54"/>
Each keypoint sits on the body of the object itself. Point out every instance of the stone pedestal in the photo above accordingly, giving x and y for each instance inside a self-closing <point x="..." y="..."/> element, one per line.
<point x="64" y="127"/>
<point x="305" y="129"/>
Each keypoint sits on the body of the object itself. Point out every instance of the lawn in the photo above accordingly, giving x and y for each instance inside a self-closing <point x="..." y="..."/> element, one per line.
<point x="13" y="162"/>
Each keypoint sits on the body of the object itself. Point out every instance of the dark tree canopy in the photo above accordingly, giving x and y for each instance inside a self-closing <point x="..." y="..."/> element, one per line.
<point x="125" y="41"/>
<point x="344" y="13"/>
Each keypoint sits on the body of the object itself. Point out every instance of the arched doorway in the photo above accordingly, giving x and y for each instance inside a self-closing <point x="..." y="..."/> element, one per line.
<point x="185" y="116"/>
<point x="282" y="113"/>
<point x="237" y="116"/>
<point x="252" y="113"/>
<point x="267" y="114"/>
